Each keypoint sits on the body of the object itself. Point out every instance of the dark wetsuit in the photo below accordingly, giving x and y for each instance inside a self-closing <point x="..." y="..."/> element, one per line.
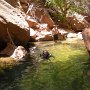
<point x="46" y="55"/>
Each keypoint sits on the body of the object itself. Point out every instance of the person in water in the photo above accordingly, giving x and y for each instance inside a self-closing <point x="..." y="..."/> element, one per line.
<point x="46" y="55"/>
<point x="55" y="33"/>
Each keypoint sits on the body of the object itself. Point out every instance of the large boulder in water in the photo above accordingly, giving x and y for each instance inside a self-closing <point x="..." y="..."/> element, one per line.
<point x="12" y="24"/>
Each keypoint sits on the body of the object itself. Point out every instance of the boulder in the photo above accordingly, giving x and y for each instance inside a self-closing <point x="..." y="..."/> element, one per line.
<point x="19" y="53"/>
<point x="76" y="22"/>
<point x="44" y="17"/>
<point x="12" y="25"/>
<point x="41" y="14"/>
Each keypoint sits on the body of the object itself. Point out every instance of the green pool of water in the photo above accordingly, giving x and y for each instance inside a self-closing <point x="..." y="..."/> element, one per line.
<point x="63" y="72"/>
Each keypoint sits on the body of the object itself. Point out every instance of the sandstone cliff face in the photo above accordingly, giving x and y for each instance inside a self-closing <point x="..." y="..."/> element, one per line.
<point x="13" y="22"/>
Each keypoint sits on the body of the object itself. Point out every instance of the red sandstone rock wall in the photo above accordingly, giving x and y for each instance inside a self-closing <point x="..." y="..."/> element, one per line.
<point x="12" y="19"/>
